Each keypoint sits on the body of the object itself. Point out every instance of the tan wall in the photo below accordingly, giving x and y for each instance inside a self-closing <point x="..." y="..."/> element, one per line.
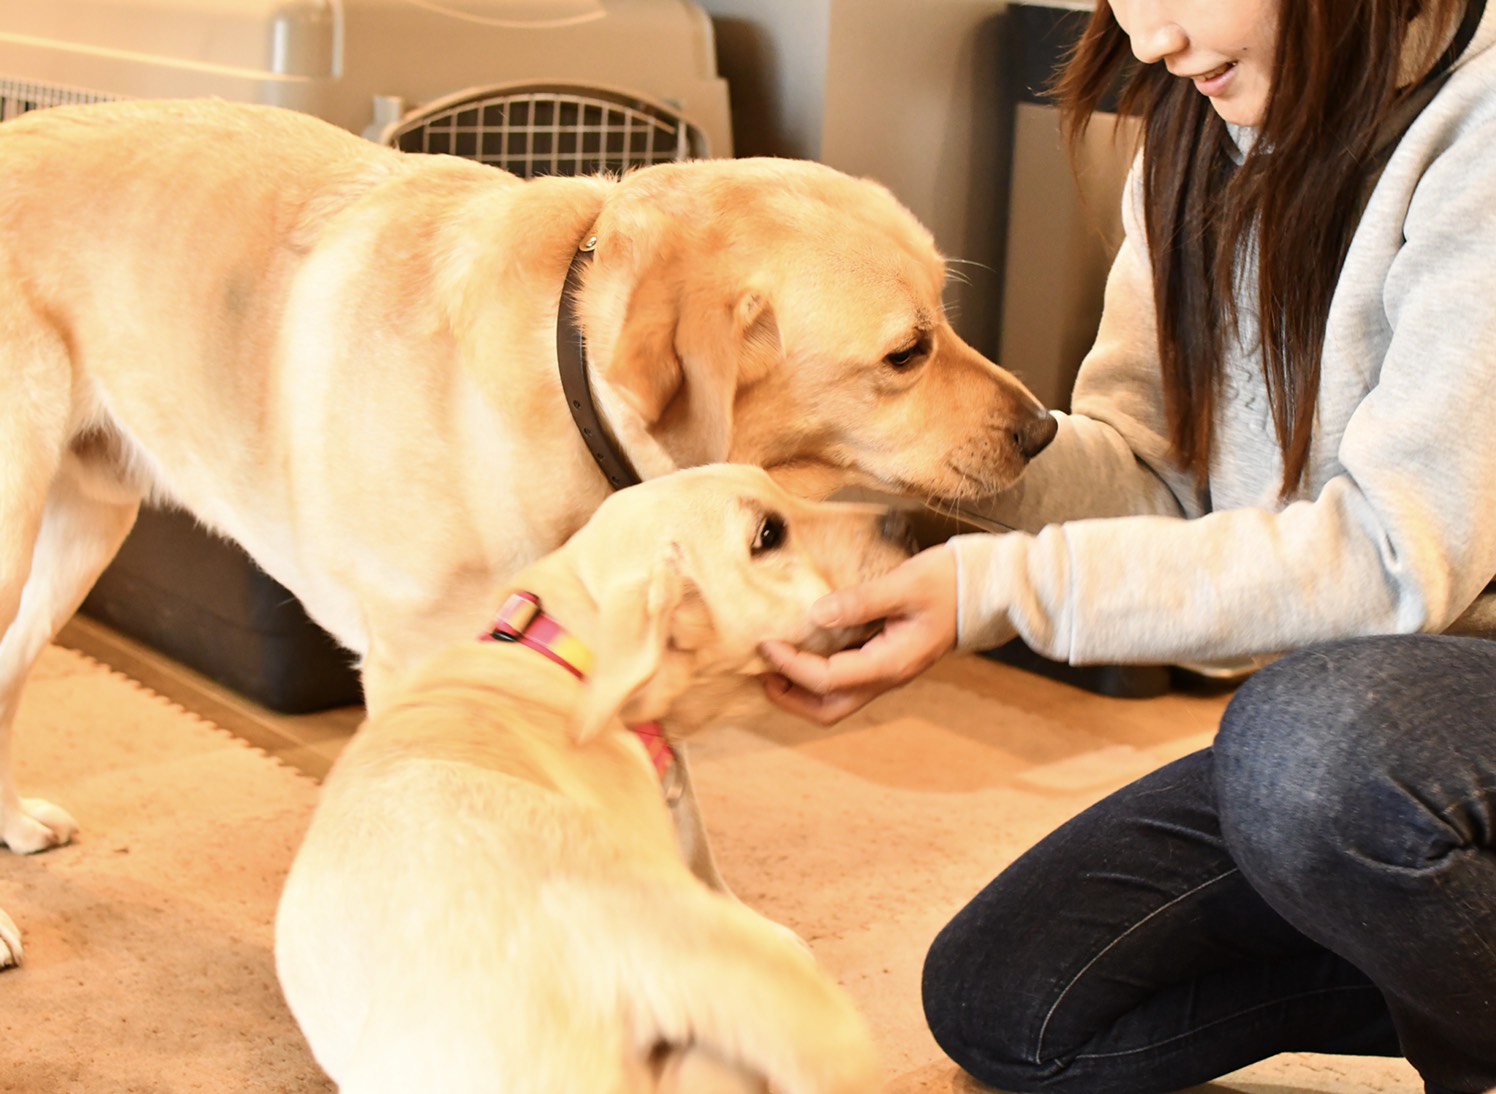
<point x="904" y="91"/>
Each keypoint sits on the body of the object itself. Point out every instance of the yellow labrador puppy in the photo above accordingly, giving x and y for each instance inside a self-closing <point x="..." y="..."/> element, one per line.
<point x="347" y="359"/>
<point x="490" y="896"/>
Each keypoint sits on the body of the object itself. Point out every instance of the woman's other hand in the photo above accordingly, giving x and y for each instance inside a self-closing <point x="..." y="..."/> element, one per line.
<point x="916" y="601"/>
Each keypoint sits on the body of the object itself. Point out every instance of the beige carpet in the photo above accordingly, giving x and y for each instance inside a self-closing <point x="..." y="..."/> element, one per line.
<point x="148" y="941"/>
<point x="148" y="961"/>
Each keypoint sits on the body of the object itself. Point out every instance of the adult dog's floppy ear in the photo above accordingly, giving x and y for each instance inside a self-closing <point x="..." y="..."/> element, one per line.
<point x="755" y="324"/>
<point x="634" y="666"/>
<point x="645" y="368"/>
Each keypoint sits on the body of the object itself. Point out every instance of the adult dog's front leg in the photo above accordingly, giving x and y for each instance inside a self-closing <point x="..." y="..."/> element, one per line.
<point x="690" y="828"/>
<point x="10" y="941"/>
<point x="26" y="824"/>
<point x="81" y="528"/>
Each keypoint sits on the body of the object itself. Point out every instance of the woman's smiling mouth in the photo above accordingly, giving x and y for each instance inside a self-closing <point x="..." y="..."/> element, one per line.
<point x="1214" y="81"/>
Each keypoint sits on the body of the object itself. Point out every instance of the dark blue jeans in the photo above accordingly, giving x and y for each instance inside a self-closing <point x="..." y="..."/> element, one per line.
<point x="1322" y="880"/>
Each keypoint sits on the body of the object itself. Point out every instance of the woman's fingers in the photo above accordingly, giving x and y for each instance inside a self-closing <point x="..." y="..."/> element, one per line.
<point x="824" y="710"/>
<point x="910" y="586"/>
<point x="917" y="604"/>
<point x="823" y="675"/>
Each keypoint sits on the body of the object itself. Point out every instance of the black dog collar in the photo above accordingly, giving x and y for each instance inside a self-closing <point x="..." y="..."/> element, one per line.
<point x="571" y="356"/>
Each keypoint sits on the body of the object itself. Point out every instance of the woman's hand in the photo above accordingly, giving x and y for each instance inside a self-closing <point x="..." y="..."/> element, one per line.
<point x="917" y="602"/>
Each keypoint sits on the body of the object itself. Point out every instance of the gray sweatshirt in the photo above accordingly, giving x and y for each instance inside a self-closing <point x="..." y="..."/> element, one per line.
<point x="1394" y="529"/>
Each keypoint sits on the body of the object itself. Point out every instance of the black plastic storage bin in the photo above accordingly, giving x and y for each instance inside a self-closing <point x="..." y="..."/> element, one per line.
<point x="200" y="600"/>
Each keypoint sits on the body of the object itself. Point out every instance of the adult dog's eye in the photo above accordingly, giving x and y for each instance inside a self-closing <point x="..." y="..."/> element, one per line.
<point x="907" y="356"/>
<point x="770" y="535"/>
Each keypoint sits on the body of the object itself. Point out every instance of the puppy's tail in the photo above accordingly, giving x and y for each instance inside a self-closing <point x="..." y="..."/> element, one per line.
<point x="722" y="999"/>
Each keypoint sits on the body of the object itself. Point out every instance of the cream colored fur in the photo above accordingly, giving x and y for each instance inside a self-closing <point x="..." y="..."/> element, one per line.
<point x="343" y="358"/>
<point x="490" y="896"/>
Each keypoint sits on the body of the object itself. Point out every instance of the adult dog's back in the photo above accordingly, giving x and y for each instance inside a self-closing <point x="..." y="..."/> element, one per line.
<point x="233" y="309"/>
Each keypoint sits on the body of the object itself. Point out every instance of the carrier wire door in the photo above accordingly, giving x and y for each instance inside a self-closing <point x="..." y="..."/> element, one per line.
<point x="19" y="97"/>
<point x="550" y="129"/>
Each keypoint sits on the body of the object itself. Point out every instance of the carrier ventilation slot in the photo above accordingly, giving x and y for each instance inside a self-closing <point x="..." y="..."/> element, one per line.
<point x="549" y="130"/>
<point x="18" y="97"/>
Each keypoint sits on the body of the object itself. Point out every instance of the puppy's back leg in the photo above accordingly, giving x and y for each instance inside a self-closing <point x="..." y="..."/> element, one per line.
<point x="697" y="1070"/>
<point x="80" y="530"/>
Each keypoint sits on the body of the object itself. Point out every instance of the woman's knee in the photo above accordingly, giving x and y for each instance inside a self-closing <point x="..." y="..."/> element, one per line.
<point x="966" y="1008"/>
<point x="1015" y="987"/>
<point x="1322" y="753"/>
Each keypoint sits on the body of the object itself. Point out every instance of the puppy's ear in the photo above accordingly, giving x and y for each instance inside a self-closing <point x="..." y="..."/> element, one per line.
<point x="645" y="368"/>
<point x="635" y="666"/>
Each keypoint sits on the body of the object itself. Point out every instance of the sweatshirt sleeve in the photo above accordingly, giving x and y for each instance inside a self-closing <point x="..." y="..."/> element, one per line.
<point x="1399" y="533"/>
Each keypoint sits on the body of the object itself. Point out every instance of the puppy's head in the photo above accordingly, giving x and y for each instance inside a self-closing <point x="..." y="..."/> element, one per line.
<point x="691" y="571"/>
<point x="781" y="313"/>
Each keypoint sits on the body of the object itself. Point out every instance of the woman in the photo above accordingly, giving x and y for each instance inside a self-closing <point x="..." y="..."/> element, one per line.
<point x="1280" y="442"/>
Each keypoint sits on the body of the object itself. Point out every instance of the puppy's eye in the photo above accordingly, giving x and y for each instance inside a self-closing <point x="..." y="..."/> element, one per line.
<point x="909" y="355"/>
<point x="770" y="535"/>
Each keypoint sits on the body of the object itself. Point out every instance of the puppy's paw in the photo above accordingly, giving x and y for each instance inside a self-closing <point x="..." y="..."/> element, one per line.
<point x="10" y="942"/>
<point x="37" y="826"/>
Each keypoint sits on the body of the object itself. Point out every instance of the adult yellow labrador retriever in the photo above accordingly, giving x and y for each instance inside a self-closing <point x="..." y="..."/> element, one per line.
<point x="345" y="358"/>
<point x="490" y="896"/>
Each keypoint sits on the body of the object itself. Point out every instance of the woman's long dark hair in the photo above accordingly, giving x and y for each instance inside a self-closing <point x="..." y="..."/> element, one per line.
<point x="1297" y="197"/>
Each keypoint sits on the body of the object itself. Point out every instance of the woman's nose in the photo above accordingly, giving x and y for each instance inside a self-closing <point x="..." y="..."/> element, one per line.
<point x="1158" y="43"/>
<point x="1151" y="29"/>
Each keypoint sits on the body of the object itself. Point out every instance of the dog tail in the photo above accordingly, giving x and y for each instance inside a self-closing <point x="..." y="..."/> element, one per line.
<point x="723" y="999"/>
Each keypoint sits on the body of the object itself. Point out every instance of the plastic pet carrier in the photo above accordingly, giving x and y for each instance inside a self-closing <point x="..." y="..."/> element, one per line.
<point x="534" y="86"/>
<point x="361" y="63"/>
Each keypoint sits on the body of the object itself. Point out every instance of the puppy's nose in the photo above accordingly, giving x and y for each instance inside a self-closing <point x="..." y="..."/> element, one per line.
<point x="1034" y="435"/>
<point x="894" y="527"/>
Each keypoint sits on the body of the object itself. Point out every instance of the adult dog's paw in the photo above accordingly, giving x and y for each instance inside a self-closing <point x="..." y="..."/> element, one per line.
<point x="36" y="826"/>
<point x="10" y="942"/>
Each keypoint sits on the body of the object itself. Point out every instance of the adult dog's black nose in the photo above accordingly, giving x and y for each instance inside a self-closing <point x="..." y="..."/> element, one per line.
<point x="895" y="528"/>
<point x="1034" y="435"/>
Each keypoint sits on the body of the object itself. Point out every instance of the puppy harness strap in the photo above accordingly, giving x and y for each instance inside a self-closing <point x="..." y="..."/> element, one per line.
<point x="522" y="620"/>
